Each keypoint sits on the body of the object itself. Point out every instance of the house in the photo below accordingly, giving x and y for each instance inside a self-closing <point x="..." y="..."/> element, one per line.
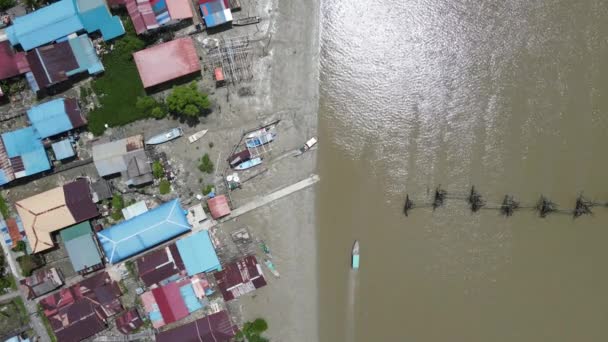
<point x="22" y="154"/>
<point x="12" y="231"/>
<point x="62" y="18"/>
<point x="81" y="247"/>
<point x="41" y="282"/>
<point x="176" y="300"/>
<point x="126" y="157"/>
<point x="143" y="232"/>
<point x="167" y="61"/>
<point x="239" y="278"/>
<point x="102" y="190"/>
<point x="63" y="149"/>
<point x="55" y="117"/>
<point x="161" y="266"/>
<point x="82" y="310"/>
<point x="198" y="253"/>
<point x="55" y="63"/>
<point x="52" y="210"/>
<point x="218" y="206"/>
<point x="216" y="327"/>
<point x="215" y="12"/>
<point x="151" y="14"/>
<point x="11" y="63"/>
<point x="129" y="322"/>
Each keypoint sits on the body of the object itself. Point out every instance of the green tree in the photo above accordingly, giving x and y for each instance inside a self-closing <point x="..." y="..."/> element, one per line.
<point x="6" y="4"/>
<point x="207" y="189"/>
<point x="157" y="169"/>
<point x="21" y="247"/>
<point x="187" y="100"/>
<point x="164" y="187"/>
<point x="206" y="164"/>
<point x="158" y="113"/>
<point x="252" y="331"/>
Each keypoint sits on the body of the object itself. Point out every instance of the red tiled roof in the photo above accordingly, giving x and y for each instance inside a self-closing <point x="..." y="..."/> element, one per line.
<point x="179" y="9"/>
<point x="13" y="231"/>
<point x="142" y="15"/>
<point x="167" y="61"/>
<point x="11" y="64"/>
<point x="155" y="266"/>
<point x="74" y="114"/>
<point x="129" y="322"/>
<point x="216" y="327"/>
<point x="79" y="200"/>
<point x="50" y="63"/>
<point x="218" y="206"/>
<point x="170" y="302"/>
<point x="238" y="273"/>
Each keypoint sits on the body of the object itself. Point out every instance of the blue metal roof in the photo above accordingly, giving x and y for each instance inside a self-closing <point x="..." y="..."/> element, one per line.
<point x="142" y="232"/>
<point x="214" y="13"/>
<point x="61" y="19"/>
<point x="198" y="253"/>
<point x="85" y="54"/>
<point x="49" y="118"/>
<point x="26" y="144"/>
<point x="63" y="149"/>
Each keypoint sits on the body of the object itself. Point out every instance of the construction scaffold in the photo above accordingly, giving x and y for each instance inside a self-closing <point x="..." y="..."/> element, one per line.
<point x="233" y="55"/>
<point x="509" y="205"/>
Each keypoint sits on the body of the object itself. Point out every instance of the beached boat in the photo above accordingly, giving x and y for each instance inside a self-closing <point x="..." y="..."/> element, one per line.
<point x="246" y="21"/>
<point x="271" y="267"/>
<point x="194" y="137"/>
<point x="248" y="164"/>
<point x="310" y="143"/>
<point x="265" y="249"/>
<point x="165" y="136"/>
<point x="260" y="140"/>
<point x="239" y="157"/>
<point x="355" y="256"/>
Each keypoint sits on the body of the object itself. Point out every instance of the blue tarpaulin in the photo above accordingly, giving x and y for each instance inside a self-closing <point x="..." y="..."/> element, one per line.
<point x="142" y="232"/>
<point x="49" y="118"/>
<point x="63" y="149"/>
<point x="198" y="253"/>
<point x="85" y="54"/>
<point x="192" y="302"/>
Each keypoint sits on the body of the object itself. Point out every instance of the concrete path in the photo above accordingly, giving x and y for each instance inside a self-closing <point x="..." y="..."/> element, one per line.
<point x="8" y="296"/>
<point x="262" y="201"/>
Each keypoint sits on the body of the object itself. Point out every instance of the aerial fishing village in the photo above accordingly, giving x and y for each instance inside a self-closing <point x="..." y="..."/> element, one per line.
<point x="143" y="171"/>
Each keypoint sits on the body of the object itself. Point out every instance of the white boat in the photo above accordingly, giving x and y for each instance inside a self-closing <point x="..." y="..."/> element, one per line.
<point x="271" y="267"/>
<point x="165" y="136"/>
<point x="194" y="137"/>
<point x="355" y="256"/>
<point x="260" y="140"/>
<point x="310" y="143"/>
<point x="248" y="164"/>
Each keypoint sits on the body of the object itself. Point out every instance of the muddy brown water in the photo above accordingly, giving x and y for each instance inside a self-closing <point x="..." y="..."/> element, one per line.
<point x="511" y="96"/>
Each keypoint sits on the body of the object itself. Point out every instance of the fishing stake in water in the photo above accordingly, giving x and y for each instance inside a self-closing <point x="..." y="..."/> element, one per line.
<point x="545" y="206"/>
<point x="582" y="207"/>
<point x="409" y="204"/>
<point x="509" y="205"/>
<point x="439" y="198"/>
<point x="475" y="200"/>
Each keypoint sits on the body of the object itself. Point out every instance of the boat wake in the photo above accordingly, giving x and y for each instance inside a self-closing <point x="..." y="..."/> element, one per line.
<point x="350" y="306"/>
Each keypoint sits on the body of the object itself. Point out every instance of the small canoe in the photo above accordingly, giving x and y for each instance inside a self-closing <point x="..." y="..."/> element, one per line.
<point x="194" y="137"/>
<point x="265" y="249"/>
<point x="271" y="267"/>
<point x="246" y="21"/>
<point x="248" y="164"/>
<point x="260" y="140"/>
<point x="166" y="136"/>
<point x="355" y="256"/>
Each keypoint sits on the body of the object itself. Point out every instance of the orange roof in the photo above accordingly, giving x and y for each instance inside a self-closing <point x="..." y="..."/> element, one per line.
<point x="13" y="231"/>
<point x="218" y="206"/>
<point x="167" y="61"/>
<point x="219" y="74"/>
<point x="179" y="9"/>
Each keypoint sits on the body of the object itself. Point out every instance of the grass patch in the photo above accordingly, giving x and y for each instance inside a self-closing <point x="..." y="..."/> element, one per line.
<point x="4" y="208"/>
<point x="13" y="315"/>
<point x="164" y="187"/>
<point x="25" y="317"/>
<point x="206" y="164"/>
<point x="120" y="85"/>
<point x="118" y="203"/>
<point x="207" y="189"/>
<point x="157" y="170"/>
<point x="47" y="325"/>
<point x="130" y="265"/>
<point x="8" y="282"/>
<point x="29" y="263"/>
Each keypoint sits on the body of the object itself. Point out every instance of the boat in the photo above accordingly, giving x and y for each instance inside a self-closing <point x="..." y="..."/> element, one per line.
<point x="260" y="140"/>
<point x="246" y="21"/>
<point x="194" y="137"/>
<point x="265" y="249"/>
<point x="271" y="267"/>
<point x="355" y="256"/>
<point x="248" y="164"/>
<point x="239" y="157"/>
<point x="165" y="136"/>
<point x="309" y="144"/>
